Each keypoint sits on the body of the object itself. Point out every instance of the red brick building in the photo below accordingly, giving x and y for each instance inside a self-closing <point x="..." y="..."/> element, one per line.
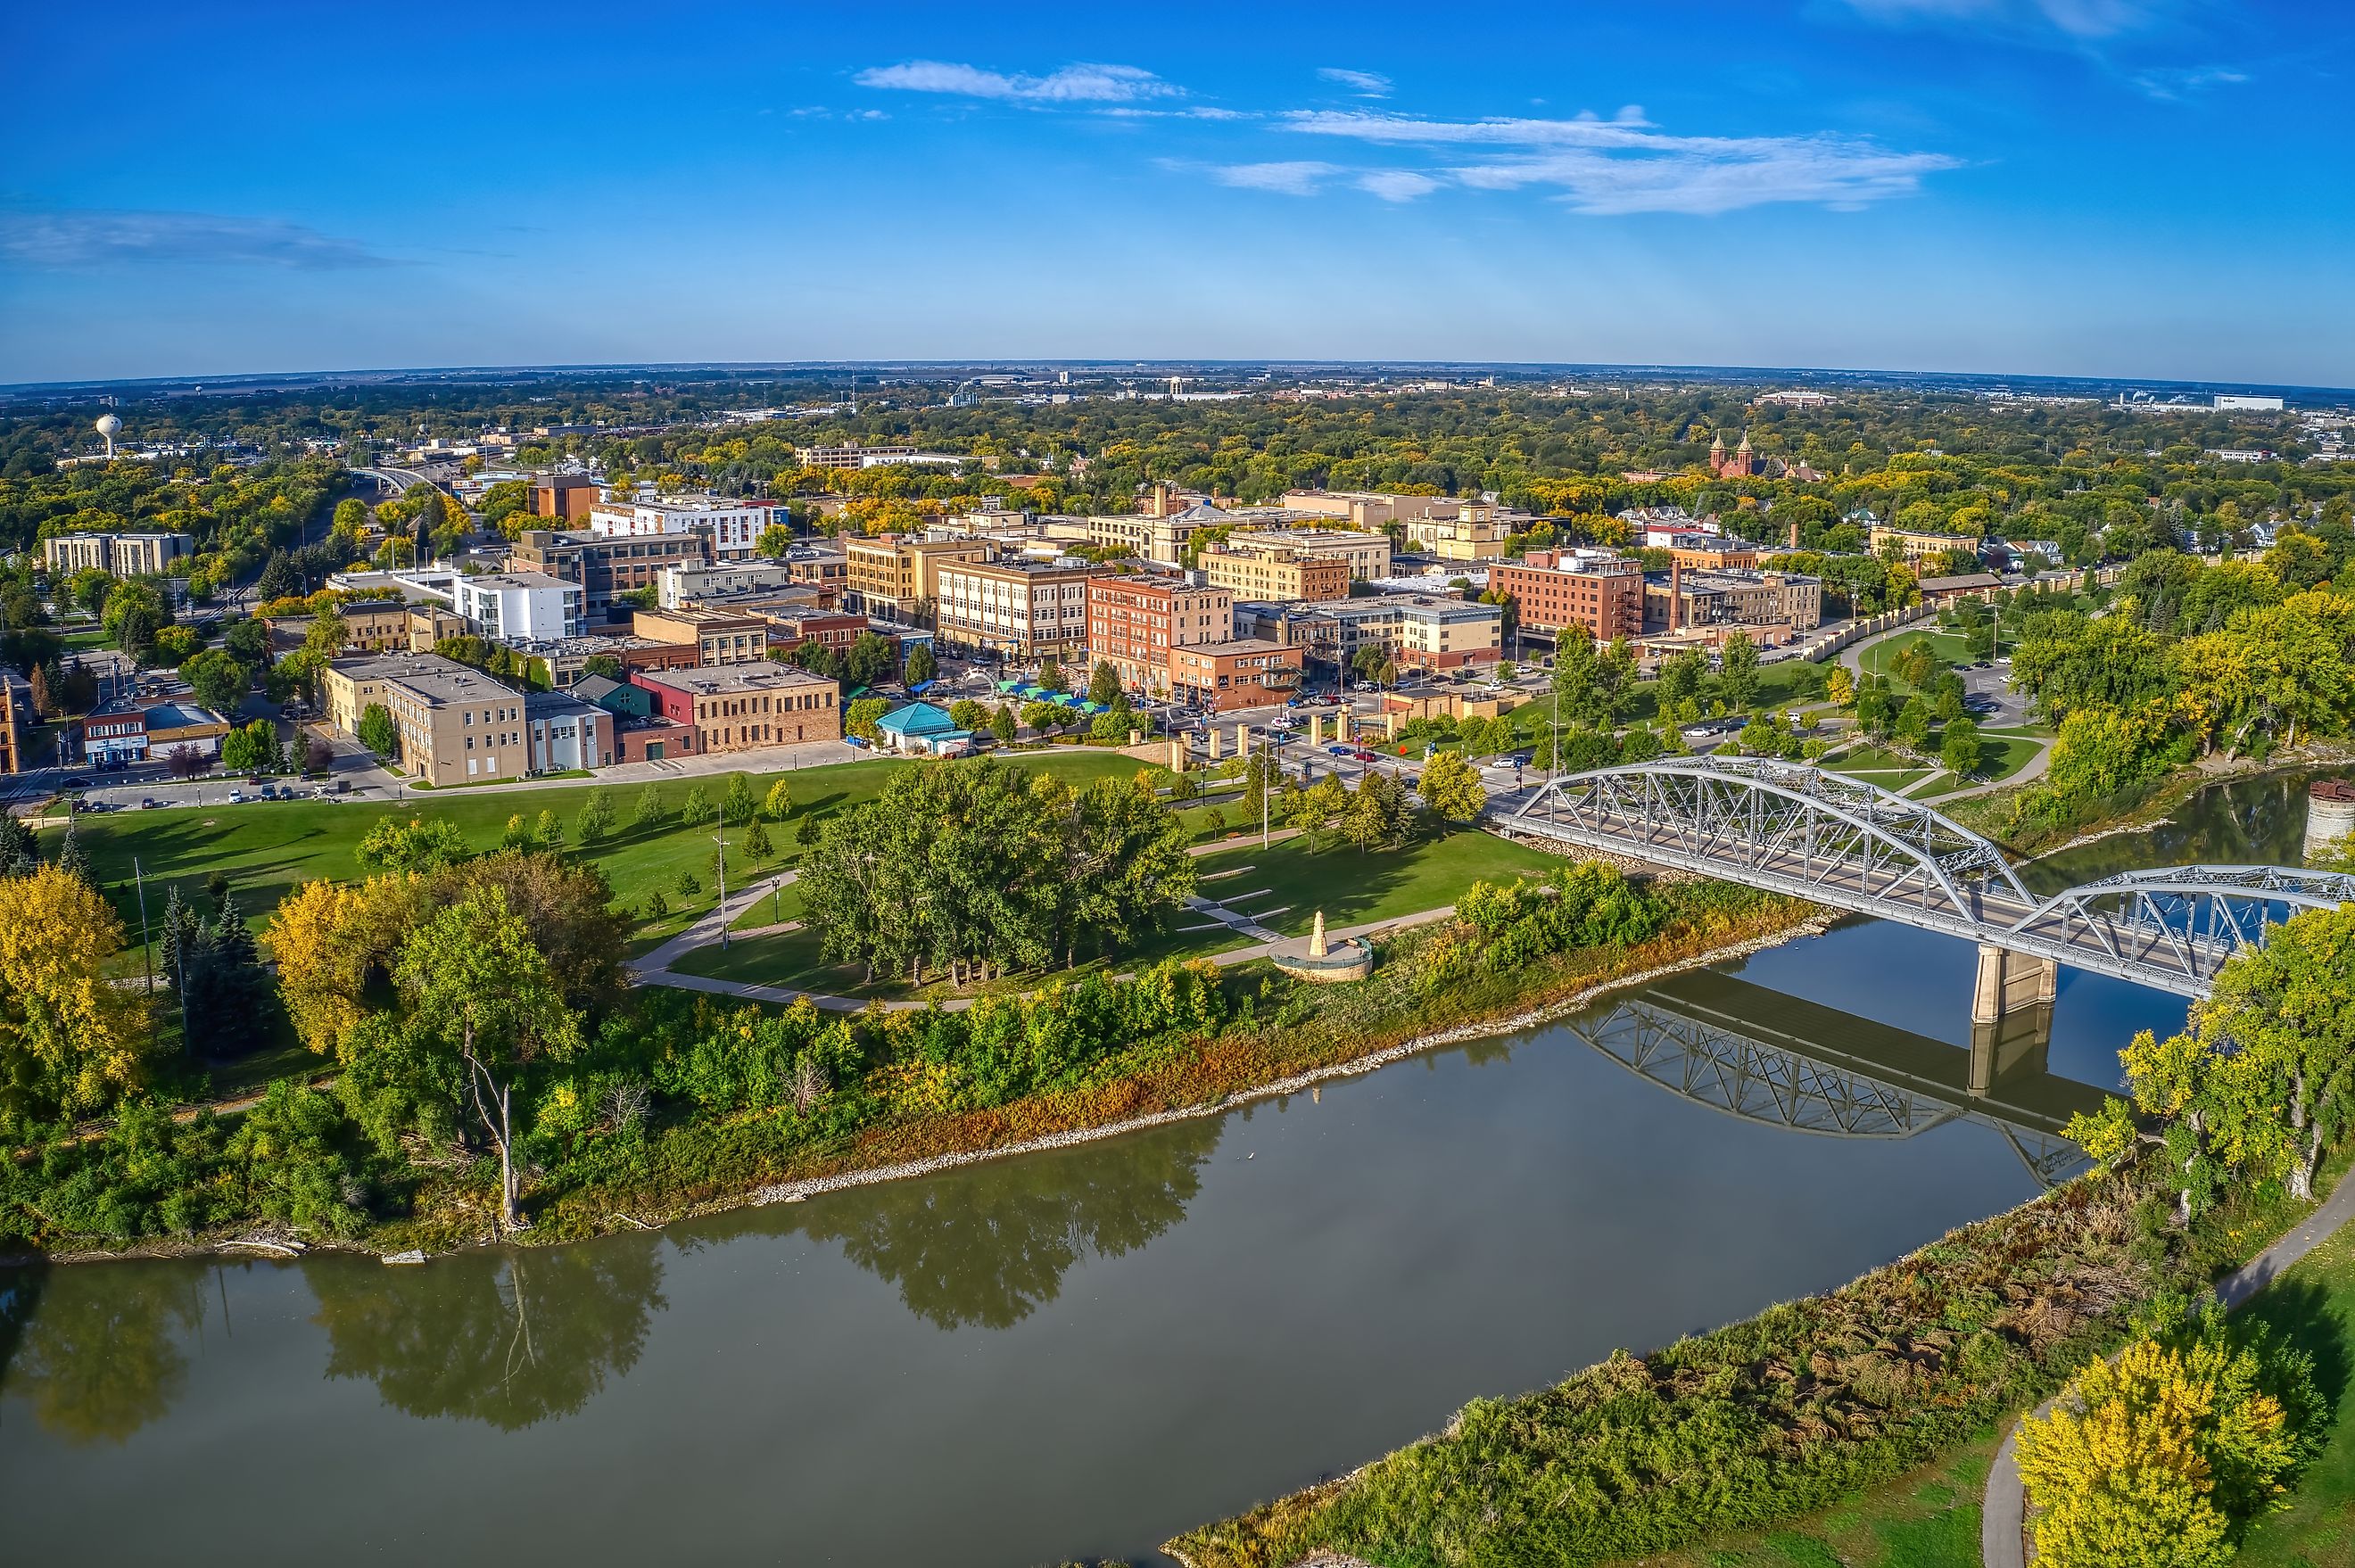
<point x="1598" y="590"/>
<point x="1134" y="622"/>
<point x="1249" y="673"/>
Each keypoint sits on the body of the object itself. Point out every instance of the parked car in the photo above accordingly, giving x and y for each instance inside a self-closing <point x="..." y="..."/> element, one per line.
<point x="77" y="781"/>
<point x="149" y="803"/>
<point x="236" y="797"/>
<point x="1522" y="758"/>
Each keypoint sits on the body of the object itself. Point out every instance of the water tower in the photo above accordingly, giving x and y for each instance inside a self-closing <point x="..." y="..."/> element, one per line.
<point x="107" y="425"/>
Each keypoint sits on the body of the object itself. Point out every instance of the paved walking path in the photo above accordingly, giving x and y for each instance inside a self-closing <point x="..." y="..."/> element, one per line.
<point x="2003" y="1514"/>
<point x="751" y="991"/>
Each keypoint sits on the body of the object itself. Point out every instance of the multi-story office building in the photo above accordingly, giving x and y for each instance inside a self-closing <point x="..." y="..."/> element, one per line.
<point x="1464" y="530"/>
<point x="117" y="555"/>
<point x="1918" y="547"/>
<point x="518" y="607"/>
<point x="1441" y="633"/>
<point x="1020" y="609"/>
<point x="1597" y="589"/>
<point x="1680" y="599"/>
<point x="1367" y="554"/>
<point x="564" y="497"/>
<point x="682" y="587"/>
<point x="738" y="707"/>
<point x="735" y="526"/>
<point x="851" y="455"/>
<point x="895" y="575"/>
<point x="1135" y="621"/>
<point x="719" y="636"/>
<point x="605" y="569"/>
<point x="455" y="723"/>
<point x="1277" y="575"/>
<point x="1251" y="672"/>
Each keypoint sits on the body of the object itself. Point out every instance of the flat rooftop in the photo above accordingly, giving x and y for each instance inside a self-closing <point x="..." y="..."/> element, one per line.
<point x="753" y="676"/>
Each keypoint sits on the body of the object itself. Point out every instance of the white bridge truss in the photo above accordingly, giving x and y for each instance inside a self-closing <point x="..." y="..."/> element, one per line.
<point x="1840" y="841"/>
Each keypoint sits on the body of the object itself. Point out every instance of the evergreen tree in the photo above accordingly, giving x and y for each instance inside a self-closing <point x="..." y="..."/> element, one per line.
<point x="72" y="859"/>
<point x="1004" y="725"/>
<point x="182" y="939"/>
<point x="18" y="851"/>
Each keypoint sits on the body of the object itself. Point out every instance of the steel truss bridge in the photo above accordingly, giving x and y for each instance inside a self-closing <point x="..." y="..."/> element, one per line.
<point x="1853" y="845"/>
<point x="1759" y="1056"/>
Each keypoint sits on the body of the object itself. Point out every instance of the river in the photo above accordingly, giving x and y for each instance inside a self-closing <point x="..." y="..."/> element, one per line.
<point x="1074" y="1354"/>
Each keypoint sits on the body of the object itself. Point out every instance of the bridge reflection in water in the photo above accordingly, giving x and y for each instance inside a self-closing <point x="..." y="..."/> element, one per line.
<point x="1766" y="1057"/>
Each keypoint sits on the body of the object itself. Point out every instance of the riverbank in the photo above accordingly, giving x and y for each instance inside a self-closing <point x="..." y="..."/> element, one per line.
<point x="1756" y="1425"/>
<point x="707" y="1168"/>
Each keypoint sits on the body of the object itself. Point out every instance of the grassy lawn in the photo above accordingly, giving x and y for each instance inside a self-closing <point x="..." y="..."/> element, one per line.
<point x="2314" y="1306"/>
<point x="267" y="848"/>
<point x="1351" y="888"/>
<point x="2006" y="754"/>
<point x="86" y="640"/>
<point x="1786" y="684"/>
<point x="1876" y="657"/>
<point x="1881" y="767"/>
<point x="1926" y="1520"/>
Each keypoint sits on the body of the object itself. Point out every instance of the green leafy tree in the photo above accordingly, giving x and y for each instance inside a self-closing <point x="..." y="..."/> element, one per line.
<point x="868" y="659"/>
<point x="1051" y="675"/>
<point x="920" y="666"/>
<point x="1912" y="728"/>
<point x="1738" y="670"/>
<point x="736" y="804"/>
<point x="392" y="844"/>
<point x="1104" y="684"/>
<point x="1002" y="724"/>
<point x="779" y="803"/>
<point x="646" y="812"/>
<point x="377" y="732"/>
<point x="595" y="823"/>
<point x="862" y="716"/>
<point x="696" y="809"/>
<point x="1378" y="814"/>
<point x="1452" y="789"/>
<point x="757" y="844"/>
<point x="1961" y="749"/>
<point x="252" y="749"/>
<point x="482" y="1009"/>
<point x="547" y="833"/>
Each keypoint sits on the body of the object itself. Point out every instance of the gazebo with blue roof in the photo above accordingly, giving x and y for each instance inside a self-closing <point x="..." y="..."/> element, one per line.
<point x="921" y="729"/>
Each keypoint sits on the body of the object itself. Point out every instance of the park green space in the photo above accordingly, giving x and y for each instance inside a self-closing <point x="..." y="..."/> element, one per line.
<point x="2313" y="1304"/>
<point x="2003" y="756"/>
<point x="1351" y="888"/>
<point x="267" y="848"/>
<point x="1877" y="658"/>
<point x="1929" y="1518"/>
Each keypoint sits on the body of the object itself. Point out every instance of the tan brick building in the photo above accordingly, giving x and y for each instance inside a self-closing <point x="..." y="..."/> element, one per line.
<point x="1022" y="609"/>
<point x="741" y="707"/>
<point x="1249" y="673"/>
<point x="894" y="575"/>
<point x="1276" y="574"/>
<point x="457" y="724"/>
<point x="719" y="636"/>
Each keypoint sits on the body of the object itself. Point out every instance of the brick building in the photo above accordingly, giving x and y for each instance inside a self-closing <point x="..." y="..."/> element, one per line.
<point x="1598" y="590"/>
<point x="1135" y="621"/>
<point x="740" y="707"/>
<point x="1251" y="672"/>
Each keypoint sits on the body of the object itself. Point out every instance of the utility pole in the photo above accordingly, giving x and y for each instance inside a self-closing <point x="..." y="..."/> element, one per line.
<point x="719" y="837"/>
<point x="147" y="957"/>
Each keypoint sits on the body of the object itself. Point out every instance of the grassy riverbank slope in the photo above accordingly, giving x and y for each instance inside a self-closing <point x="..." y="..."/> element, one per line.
<point x="690" y="1103"/>
<point x="1783" y="1425"/>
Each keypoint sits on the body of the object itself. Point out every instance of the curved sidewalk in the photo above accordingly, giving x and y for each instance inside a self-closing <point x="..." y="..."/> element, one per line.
<point x="2003" y="1511"/>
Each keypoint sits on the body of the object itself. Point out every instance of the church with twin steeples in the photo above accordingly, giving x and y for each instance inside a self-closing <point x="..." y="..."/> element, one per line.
<point x="1739" y="464"/>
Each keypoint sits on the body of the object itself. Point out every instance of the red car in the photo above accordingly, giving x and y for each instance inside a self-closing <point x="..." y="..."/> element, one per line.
<point x="1362" y="754"/>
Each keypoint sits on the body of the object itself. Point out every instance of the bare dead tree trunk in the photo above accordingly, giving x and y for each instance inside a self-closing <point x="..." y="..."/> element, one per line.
<point x="500" y="1127"/>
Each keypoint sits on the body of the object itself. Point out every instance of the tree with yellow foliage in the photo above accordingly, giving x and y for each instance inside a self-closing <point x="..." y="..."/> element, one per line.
<point x="2157" y="1458"/>
<point x="328" y="937"/>
<point x="70" y="1039"/>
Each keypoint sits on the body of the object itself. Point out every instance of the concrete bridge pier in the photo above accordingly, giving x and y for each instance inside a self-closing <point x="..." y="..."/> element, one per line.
<point x="2012" y="1014"/>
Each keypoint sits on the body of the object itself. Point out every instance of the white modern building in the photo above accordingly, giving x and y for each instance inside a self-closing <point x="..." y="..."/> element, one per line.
<point x="564" y="732"/>
<point x="676" y="587"/>
<point x="736" y="525"/>
<point x="2239" y="401"/>
<point x="520" y="606"/>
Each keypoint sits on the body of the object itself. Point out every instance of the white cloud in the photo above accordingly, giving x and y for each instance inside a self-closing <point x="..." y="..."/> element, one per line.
<point x="1366" y="84"/>
<point x="1071" y="84"/>
<point x="2076" y="18"/>
<point x="1396" y="185"/>
<point x="2170" y="84"/>
<point x="1297" y="178"/>
<point x="1626" y="164"/>
<point x="96" y="238"/>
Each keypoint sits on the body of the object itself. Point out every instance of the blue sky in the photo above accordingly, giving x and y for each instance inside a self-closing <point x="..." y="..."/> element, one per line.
<point x="2159" y="189"/>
